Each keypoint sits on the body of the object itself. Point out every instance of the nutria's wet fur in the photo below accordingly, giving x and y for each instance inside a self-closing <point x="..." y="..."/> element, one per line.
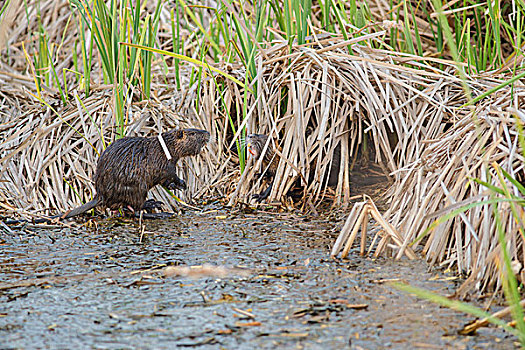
<point x="131" y="166"/>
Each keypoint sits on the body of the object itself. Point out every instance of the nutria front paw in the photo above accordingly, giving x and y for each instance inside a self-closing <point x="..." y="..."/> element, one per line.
<point x="178" y="184"/>
<point x="264" y="194"/>
<point x="151" y="204"/>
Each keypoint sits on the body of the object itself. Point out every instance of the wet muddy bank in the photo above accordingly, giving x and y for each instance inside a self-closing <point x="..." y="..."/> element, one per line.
<point x="103" y="287"/>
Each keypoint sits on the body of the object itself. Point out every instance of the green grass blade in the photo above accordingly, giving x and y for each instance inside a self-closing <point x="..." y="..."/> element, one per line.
<point x="462" y="209"/>
<point x="510" y="285"/>
<point x="515" y="182"/>
<point x="3" y="8"/>
<point x="197" y="63"/>
<point x="175" y="34"/>
<point x="199" y="24"/>
<point x="55" y="76"/>
<point x="455" y="305"/>
<point x="341" y="22"/>
<point x="513" y="201"/>
<point x="452" y="46"/>
<point x="494" y="89"/>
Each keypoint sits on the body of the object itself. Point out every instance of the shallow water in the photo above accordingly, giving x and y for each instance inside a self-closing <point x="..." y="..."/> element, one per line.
<point x="102" y="287"/>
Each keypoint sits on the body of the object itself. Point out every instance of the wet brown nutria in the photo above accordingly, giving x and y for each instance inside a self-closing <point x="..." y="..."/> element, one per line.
<point x="255" y="145"/>
<point x="131" y="166"/>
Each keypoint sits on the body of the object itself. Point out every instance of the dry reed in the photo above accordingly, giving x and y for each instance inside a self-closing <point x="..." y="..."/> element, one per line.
<point x="315" y="101"/>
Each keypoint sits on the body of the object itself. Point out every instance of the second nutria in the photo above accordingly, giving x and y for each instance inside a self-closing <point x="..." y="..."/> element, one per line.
<point x="129" y="167"/>
<point x="255" y="145"/>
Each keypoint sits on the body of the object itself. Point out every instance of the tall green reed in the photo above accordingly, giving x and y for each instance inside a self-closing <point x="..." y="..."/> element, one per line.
<point x="111" y="23"/>
<point x="42" y="57"/>
<point x="3" y="9"/>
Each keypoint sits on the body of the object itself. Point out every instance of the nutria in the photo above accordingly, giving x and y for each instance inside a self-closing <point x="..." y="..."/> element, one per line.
<point x="255" y="145"/>
<point x="129" y="167"/>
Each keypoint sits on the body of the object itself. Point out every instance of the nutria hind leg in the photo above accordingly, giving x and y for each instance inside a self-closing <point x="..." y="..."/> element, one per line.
<point x="264" y="194"/>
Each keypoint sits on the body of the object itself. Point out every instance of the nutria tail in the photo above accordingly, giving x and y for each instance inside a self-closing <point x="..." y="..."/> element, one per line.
<point x="69" y="214"/>
<point x="79" y="210"/>
<point x="66" y="215"/>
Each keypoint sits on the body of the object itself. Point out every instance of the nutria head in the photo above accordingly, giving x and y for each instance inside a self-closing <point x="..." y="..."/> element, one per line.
<point x="255" y="144"/>
<point x="186" y="142"/>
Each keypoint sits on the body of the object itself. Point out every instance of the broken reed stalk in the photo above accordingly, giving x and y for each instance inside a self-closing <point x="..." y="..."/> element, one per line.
<point x="358" y="219"/>
<point x="472" y="327"/>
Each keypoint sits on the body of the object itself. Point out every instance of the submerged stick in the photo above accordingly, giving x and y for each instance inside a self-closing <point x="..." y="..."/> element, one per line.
<point x="472" y="327"/>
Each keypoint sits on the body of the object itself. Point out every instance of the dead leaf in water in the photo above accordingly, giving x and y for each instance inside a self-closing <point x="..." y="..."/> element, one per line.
<point x="318" y="319"/>
<point x="347" y="304"/>
<point x="357" y="306"/>
<point x="226" y="298"/>
<point x="386" y="280"/>
<point x="244" y="313"/>
<point x="248" y="324"/>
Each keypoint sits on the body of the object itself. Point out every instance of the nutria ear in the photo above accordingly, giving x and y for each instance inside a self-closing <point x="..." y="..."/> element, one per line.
<point x="179" y="134"/>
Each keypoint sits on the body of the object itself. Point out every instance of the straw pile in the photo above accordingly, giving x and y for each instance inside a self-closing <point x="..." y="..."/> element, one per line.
<point x="482" y="140"/>
<point x="331" y="98"/>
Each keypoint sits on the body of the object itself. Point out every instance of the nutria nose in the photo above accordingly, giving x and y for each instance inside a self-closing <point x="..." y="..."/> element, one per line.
<point x="254" y="136"/>
<point x="198" y="132"/>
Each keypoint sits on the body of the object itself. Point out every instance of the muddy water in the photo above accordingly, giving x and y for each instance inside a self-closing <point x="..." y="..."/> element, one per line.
<point x="102" y="287"/>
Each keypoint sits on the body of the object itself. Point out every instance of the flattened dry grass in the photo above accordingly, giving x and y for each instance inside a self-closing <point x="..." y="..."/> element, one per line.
<point x="317" y="101"/>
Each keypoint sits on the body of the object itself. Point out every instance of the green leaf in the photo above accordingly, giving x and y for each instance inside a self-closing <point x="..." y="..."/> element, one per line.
<point x="201" y="64"/>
